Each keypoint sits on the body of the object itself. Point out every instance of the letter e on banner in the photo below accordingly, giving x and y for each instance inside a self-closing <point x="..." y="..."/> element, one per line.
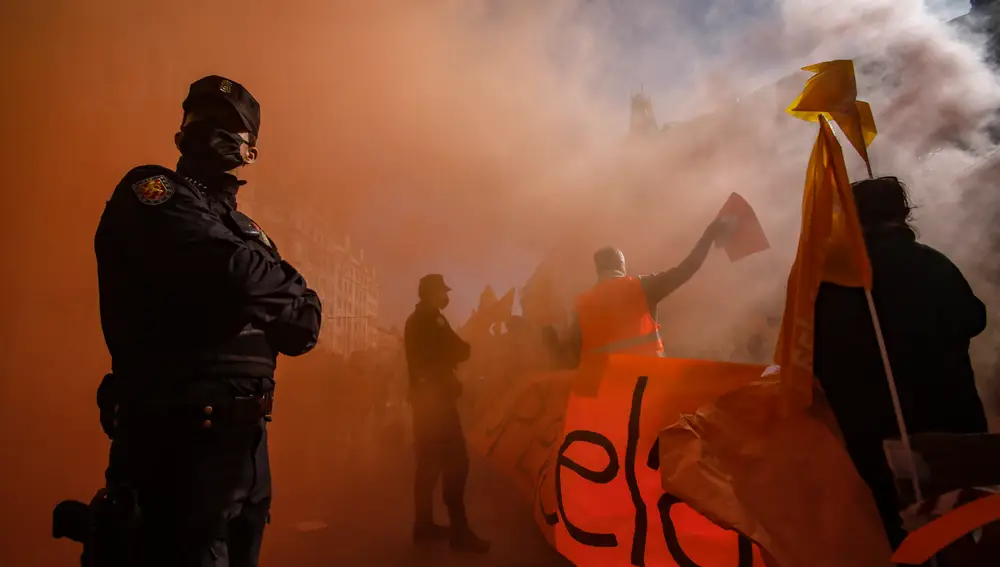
<point x="611" y="508"/>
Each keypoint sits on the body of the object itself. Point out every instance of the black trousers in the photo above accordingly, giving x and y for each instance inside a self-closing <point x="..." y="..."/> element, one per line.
<point x="204" y="495"/>
<point x="441" y="455"/>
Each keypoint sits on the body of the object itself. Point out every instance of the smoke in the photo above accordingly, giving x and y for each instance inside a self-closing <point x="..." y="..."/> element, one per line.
<point x="933" y="97"/>
<point x="467" y="138"/>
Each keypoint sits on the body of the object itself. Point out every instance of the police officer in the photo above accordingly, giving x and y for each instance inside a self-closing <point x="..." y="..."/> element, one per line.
<point x="196" y="305"/>
<point x="433" y="351"/>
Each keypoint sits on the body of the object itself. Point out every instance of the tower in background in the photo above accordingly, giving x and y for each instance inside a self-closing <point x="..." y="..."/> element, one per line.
<point x="643" y="120"/>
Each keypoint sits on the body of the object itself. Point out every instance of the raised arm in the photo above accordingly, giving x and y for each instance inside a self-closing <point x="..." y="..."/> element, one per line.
<point x="661" y="284"/>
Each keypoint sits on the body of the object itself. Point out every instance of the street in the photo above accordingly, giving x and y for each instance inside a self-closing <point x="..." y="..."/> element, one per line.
<point x="364" y="517"/>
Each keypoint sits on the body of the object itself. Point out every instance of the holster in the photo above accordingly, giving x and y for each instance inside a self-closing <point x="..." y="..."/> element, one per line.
<point x="114" y="528"/>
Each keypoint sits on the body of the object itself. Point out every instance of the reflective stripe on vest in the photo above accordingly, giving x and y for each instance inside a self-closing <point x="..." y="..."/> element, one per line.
<point x="629" y="343"/>
<point x="614" y="316"/>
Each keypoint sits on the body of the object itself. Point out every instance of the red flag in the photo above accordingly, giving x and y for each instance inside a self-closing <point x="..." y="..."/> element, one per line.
<point x="748" y="236"/>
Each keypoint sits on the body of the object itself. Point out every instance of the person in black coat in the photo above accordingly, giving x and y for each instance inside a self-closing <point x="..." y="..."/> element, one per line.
<point x="196" y="306"/>
<point x="928" y="315"/>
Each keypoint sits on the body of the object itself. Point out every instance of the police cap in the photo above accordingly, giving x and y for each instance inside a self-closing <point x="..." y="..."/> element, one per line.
<point x="220" y="89"/>
<point x="431" y="283"/>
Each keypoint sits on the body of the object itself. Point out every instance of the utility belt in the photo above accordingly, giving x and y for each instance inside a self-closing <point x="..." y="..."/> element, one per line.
<point x="238" y="412"/>
<point x="247" y="353"/>
<point x="200" y="370"/>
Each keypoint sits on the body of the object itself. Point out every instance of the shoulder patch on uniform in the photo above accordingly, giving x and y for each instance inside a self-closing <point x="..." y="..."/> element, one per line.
<point x="154" y="190"/>
<point x="441" y="322"/>
<point x="251" y="228"/>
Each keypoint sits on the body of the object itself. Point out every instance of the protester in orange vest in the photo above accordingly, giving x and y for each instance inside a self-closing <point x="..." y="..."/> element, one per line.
<point x="618" y="314"/>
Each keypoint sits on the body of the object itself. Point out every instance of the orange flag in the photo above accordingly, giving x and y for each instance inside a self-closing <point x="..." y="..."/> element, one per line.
<point x="480" y="321"/>
<point x="832" y="93"/>
<point x="487" y="299"/>
<point x="491" y="311"/>
<point x="503" y="308"/>
<point x="748" y="236"/>
<point x="831" y="248"/>
<point x="541" y="304"/>
<point x="781" y="478"/>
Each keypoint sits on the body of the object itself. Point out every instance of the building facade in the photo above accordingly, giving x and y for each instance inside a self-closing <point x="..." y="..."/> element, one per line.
<point x="388" y="339"/>
<point x="352" y="300"/>
<point x="346" y="284"/>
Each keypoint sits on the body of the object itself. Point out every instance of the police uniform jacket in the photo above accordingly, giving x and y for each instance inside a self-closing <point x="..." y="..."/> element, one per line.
<point x="433" y="351"/>
<point x="190" y="287"/>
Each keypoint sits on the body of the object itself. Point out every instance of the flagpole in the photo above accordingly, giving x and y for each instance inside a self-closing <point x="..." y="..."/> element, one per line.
<point x="904" y="434"/>
<point x="911" y="460"/>
<point x="835" y="81"/>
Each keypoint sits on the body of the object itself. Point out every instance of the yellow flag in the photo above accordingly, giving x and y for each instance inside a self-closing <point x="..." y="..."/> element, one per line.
<point x="831" y="248"/>
<point x="832" y="92"/>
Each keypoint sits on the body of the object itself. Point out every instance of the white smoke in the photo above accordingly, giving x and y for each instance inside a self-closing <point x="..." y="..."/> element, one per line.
<point x="932" y="95"/>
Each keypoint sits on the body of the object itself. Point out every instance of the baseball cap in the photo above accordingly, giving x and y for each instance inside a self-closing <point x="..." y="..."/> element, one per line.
<point x="432" y="283"/>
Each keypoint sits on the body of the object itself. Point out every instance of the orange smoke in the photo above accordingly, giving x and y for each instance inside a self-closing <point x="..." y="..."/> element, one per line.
<point x="446" y="136"/>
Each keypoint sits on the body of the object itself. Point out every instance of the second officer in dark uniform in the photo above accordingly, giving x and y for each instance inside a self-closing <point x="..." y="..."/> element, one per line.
<point x="433" y="351"/>
<point x="196" y="305"/>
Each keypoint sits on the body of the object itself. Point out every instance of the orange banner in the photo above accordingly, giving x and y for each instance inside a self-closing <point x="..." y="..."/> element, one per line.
<point x="588" y="459"/>
<point x="783" y="478"/>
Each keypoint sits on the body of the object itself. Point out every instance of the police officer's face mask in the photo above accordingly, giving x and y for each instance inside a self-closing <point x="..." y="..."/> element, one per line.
<point x="206" y="144"/>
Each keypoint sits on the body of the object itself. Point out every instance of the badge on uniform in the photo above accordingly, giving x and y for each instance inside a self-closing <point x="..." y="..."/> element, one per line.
<point x="441" y="321"/>
<point x="260" y="233"/>
<point x="154" y="190"/>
